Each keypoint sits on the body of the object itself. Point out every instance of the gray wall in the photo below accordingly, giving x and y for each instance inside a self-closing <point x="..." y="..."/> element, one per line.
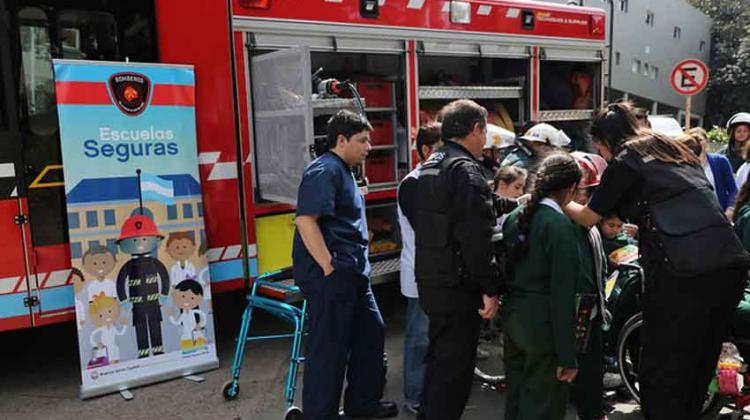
<point x="656" y="46"/>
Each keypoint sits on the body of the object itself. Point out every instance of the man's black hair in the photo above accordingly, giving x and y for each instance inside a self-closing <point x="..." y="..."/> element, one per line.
<point x="346" y="123"/>
<point x="427" y="135"/>
<point x="460" y="117"/>
<point x="190" y="284"/>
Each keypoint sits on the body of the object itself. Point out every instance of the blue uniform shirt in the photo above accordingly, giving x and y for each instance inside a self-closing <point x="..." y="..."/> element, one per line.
<point x="328" y="190"/>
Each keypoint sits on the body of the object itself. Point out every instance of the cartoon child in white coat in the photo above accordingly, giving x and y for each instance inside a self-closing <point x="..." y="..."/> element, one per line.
<point x="181" y="246"/>
<point x="187" y="296"/>
<point x="105" y="313"/>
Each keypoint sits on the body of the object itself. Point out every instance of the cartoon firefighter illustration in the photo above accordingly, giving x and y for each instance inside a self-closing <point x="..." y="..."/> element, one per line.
<point x="143" y="279"/>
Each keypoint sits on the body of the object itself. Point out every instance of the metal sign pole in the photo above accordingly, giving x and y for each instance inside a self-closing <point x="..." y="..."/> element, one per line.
<point x="688" y="109"/>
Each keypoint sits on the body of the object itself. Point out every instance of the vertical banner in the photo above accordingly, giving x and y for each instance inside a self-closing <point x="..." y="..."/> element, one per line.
<point x="135" y="220"/>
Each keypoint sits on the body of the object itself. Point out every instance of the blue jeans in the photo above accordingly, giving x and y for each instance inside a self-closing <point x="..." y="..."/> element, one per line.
<point x="416" y="342"/>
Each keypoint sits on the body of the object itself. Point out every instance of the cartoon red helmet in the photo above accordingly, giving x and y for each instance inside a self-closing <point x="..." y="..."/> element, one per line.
<point x="138" y="225"/>
<point x="592" y="166"/>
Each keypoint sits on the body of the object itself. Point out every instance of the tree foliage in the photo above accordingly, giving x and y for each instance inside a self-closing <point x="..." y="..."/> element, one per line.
<point x="729" y="86"/>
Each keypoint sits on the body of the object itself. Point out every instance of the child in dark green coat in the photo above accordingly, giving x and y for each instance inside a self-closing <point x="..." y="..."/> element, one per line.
<point x="539" y="307"/>
<point x="741" y="319"/>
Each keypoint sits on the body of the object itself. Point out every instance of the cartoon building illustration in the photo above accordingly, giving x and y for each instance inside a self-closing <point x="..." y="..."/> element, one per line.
<point x="107" y="202"/>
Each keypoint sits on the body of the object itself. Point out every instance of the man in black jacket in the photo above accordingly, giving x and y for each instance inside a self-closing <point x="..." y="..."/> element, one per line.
<point x="454" y="219"/>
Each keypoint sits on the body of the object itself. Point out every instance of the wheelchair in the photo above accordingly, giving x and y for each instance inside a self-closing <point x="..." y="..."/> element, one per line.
<point x="271" y="296"/>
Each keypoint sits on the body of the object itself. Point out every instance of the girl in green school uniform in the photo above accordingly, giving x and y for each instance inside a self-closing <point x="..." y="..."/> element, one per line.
<point x="539" y="307"/>
<point x="741" y="318"/>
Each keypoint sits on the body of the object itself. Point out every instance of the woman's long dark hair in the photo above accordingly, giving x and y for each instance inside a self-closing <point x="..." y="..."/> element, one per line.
<point x="557" y="173"/>
<point x="614" y="125"/>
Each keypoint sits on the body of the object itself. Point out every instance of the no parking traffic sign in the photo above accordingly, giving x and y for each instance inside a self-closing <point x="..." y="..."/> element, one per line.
<point x="689" y="77"/>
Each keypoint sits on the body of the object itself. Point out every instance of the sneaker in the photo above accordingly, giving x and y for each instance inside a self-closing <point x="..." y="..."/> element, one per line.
<point x="384" y="410"/>
<point x="413" y="408"/>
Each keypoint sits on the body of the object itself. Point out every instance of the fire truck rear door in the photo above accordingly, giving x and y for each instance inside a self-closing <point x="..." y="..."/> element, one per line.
<point x="16" y="297"/>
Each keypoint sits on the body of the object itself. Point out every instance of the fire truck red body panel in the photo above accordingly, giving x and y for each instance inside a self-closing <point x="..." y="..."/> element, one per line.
<point x="198" y="32"/>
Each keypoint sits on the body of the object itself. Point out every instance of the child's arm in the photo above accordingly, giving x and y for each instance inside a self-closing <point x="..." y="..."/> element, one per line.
<point x="562" y="248"/>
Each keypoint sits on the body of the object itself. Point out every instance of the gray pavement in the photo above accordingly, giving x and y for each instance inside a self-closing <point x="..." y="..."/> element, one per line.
<point x="39" y="376"/>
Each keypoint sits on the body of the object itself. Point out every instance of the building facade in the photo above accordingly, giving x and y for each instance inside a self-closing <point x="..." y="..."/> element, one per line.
<point x="650" y="37"/>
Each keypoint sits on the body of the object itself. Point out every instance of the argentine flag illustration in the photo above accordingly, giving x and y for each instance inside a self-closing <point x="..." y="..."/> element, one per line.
<point x="154" y="188"/>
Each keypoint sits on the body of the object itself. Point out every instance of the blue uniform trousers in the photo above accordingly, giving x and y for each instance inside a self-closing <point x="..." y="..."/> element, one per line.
<point x="346" y="336"/>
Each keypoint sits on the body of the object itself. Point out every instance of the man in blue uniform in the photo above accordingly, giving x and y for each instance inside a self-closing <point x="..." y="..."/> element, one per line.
<point x="331" y="266"/>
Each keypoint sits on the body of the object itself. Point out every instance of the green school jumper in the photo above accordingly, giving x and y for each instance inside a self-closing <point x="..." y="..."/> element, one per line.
<point x="588" y="387"/>
<point x="741" y="319"/>
<point x="539" y="316"/>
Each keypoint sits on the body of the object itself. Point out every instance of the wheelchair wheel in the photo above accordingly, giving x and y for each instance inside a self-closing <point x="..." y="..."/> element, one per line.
<point x="293" y="413"/>
<point x="628" y="357"/>
<point x="230" y="390"/>
<point x="629" y="354"/>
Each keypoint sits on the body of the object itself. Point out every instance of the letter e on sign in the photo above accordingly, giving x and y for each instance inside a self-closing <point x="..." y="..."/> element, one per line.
<point x="689" y="77"/>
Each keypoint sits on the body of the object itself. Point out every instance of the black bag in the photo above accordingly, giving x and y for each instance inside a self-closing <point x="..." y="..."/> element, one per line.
<point x="694" y="235"/>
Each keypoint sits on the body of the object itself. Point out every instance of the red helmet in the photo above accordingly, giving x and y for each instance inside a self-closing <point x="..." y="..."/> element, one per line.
<point x="592" y="166"/>
<point x="139" y="225"/>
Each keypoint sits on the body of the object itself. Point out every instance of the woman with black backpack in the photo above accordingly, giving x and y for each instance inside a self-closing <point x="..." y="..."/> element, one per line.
<point x="695" y="265"/>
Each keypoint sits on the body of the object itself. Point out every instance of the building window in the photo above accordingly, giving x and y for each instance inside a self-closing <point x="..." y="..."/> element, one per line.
<point x="623" y="5"/>
<point x="172" y="212"/>
<point x="654" y="72"/>
<point x="75" y="250"/>
<point x="112" y="245"/>
<point x="109" y="217"/>
<point x="92" y="220"/>
<point x="74" y="221"/>
<point x="645" y="69"/>
<point x="636" y="65"/>
<point x="187" y="211"/>
<point x="200" y="209"/>
<point x="702" y="46"/>
<point x="649" y="18"/>
<point x="617" y="58"/>
<point x="677" y="33"/>
<point x="93" y="244"/>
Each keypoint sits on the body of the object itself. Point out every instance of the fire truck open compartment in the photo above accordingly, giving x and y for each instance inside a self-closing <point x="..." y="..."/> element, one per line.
<point x="570" y="89"/>
<point x="495" y="76"/>
<point x="288" y="118"/>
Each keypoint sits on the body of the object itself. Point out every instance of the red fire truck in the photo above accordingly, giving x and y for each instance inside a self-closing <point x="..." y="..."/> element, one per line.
<point x="257" y="115"/>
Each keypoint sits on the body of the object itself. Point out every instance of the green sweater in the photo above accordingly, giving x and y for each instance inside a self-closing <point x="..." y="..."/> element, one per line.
<point x="543" y="282"/>
<point x="742" y="228"/>
<point x="611" y="245"/>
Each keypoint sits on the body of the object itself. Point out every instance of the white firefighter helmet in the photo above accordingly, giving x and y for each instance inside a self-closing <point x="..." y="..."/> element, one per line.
<point x="739" y="118"/>
<point x="545" y="133"/>
<point x="498" y="137"/>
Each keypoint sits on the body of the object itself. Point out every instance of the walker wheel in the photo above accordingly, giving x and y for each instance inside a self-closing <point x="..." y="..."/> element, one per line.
<point x="230" y="390"/>
<point x="293" y="413"/>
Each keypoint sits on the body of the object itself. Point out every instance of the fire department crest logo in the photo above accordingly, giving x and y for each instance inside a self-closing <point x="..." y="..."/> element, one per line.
<point x="130" y="92"/>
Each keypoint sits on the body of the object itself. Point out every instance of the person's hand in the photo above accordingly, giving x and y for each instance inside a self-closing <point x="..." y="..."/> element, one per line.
<point x="170" y="311"/>
<point x="99" y="345"/>
<point x="489" y="309"/>
<point x="328" y="269"/>
<point x="124" y="321"/>
<point x="730" y="213"/>
<point x="566" y="374"/>
<point x="630" y="229"/>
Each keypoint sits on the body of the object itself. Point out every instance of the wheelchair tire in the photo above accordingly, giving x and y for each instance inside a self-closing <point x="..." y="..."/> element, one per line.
<point x="230" y="390"/>
<point x="293" y="413"/>
<point x="628" y="354"/>
<point x="628" y="358"/>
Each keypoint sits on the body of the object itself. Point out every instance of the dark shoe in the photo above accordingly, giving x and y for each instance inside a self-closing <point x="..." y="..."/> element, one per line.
<point x="384" y="410"/>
